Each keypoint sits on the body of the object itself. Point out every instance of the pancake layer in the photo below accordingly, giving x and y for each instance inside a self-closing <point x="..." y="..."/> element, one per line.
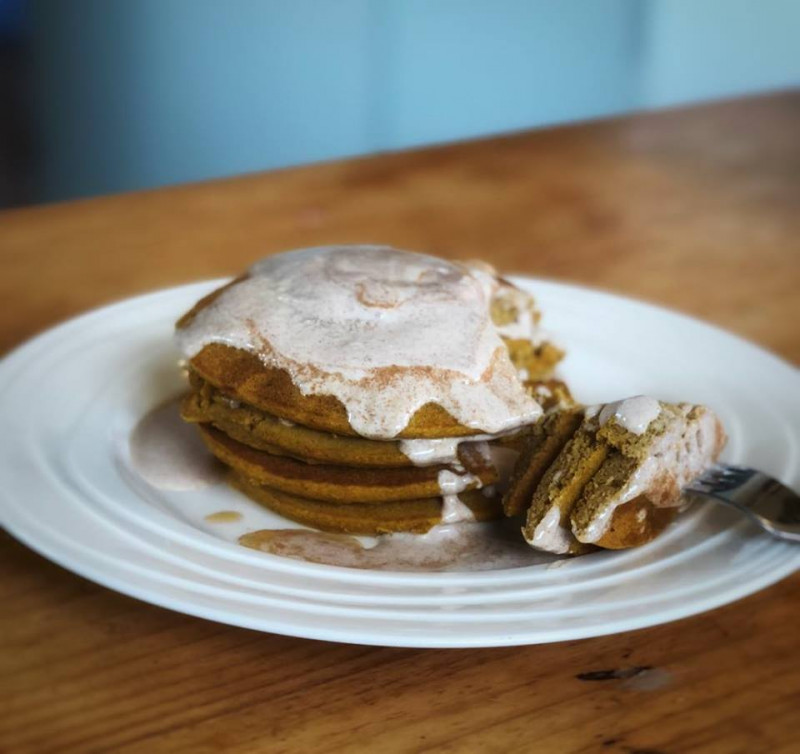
<point x="338" y="484"/>
<point x="416" y="516"/>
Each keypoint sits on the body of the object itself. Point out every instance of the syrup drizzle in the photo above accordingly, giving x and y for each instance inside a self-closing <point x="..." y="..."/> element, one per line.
<point x="447" y="547"/>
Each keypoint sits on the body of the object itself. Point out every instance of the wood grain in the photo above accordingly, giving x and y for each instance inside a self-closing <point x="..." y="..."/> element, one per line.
<point x="695" y="209"/>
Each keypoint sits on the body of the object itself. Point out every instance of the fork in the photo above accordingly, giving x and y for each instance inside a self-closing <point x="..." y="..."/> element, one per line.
<point x="764" y="500"/>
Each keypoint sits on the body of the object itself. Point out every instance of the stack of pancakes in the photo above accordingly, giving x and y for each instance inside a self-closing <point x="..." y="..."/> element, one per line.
<point x="609" y="476"/>
<point x="294" y="448"/>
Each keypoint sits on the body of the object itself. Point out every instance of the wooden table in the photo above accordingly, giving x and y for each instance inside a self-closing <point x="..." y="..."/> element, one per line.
<point x="696" y="209"/>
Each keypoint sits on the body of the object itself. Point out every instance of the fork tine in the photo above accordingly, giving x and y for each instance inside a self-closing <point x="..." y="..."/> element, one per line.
<point x="729" y="470"/>
<point x="699" y="485"/>
<point x="727" y="474"/>
<point x="715" y="475"/>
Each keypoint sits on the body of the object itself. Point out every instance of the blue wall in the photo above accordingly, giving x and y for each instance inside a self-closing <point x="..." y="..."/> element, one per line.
<point x="139" y="93"/>
<point x="451" y="69"/>
<point x="700" y="49"/>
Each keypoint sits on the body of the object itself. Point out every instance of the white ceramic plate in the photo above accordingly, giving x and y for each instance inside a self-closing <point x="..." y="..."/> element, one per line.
<point x="70" y="397"/>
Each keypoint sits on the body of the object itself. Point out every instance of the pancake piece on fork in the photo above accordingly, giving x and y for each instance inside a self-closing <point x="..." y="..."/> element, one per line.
<point x="610" y="476"/>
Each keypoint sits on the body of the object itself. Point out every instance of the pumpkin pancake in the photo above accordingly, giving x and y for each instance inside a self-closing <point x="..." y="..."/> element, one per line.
<point x="263" y="431"/>
<point x="417" y="516"/>
<point x="536" y="361"/>
<point x="341" y="484"/>
<point x="243" y="376"/>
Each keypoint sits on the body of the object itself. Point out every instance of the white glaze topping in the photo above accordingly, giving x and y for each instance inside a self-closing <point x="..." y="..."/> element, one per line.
<point x="549" y="535"/>
<point x="598" y="526"/>
<point x="444" y="450"/>
<point x="590" y="412"/>
<point x="430" y="452"/>
<point x="384" y="331"/>
<point x="450" y="484"/>
<point x="454" y="511"/>
<point x="634" y="414"/>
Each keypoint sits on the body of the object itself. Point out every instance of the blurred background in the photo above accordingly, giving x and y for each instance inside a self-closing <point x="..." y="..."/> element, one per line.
<point x="102" y="96"/>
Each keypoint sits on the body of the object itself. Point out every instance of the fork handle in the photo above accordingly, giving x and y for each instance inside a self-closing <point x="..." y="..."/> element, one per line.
<point x="769" y="504"/>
